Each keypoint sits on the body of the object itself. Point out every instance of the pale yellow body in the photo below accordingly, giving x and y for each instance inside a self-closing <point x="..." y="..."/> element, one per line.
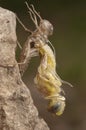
<point x="47" y="80"/>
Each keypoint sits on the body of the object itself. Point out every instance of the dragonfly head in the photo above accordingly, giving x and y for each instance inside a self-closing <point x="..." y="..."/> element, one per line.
<point x="56" y="108"/>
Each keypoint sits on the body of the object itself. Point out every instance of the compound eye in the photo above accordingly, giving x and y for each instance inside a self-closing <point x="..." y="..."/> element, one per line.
<point x="55" y="108"/>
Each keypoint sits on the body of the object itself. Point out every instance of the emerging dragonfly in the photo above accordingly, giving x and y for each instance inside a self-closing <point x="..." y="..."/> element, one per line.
<point x="47" y="80"/>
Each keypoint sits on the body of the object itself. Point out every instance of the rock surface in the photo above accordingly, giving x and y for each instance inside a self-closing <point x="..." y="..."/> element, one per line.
<point x="17" y="111"/>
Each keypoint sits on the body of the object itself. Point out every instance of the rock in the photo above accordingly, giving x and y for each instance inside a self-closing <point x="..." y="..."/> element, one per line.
<point x="17" y="110"/>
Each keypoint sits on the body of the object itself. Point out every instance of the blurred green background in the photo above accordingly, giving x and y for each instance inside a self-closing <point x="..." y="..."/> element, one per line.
<point x="69" y="39"/>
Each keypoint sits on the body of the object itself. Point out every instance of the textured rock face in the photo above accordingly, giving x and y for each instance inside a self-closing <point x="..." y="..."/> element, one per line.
<point x="17" y="111"/>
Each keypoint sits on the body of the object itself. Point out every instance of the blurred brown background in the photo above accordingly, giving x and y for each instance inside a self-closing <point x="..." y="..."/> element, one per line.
<point x="69" y="39"/>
